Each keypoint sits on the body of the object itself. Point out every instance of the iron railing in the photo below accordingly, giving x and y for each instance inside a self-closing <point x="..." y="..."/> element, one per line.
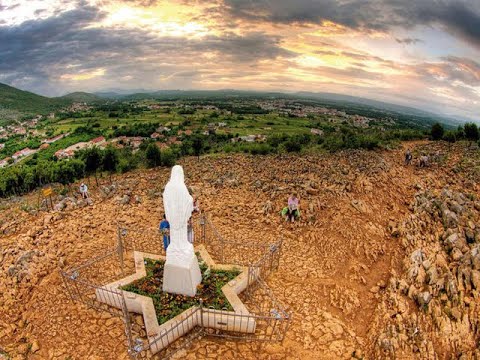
<point x="86" y="283"/>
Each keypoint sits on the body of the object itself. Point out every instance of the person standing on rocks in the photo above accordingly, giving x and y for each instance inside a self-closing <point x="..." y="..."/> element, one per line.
<point x="424" y="161"/>
<point x="84" y="191"/>
<point x="196" y="206"/>
<point x="165" y="230"/>
<point x="408" y="157"/>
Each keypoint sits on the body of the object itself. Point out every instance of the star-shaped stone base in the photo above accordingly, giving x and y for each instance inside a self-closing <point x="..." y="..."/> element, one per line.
<point x="160" y="336"/>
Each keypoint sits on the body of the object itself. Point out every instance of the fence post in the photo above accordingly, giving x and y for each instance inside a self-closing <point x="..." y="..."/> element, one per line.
<point x="132" y="350"/>
<point x="249" y="278"/>
<point x="62" y="274"/>
<point x="120" y="249"/>
<point x="203" y="225"/>
<point x="280" y="246"/>
<point x="201" y="314"/>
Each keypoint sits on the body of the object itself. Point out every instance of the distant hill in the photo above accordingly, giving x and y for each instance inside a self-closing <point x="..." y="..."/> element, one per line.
<point x="380" y="105"/>
<point x="15" y="103"/>
<point x="404" y="116"/>
<point x="80" y="96"/>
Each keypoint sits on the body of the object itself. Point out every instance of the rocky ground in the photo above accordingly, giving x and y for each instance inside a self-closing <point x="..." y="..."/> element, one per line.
<point x="384" y="264"/>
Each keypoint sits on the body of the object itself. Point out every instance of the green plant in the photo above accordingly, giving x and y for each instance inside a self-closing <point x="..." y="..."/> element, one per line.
<point x="437" y="131"/>
<point x="110" y="160"/>
<point x="168" y="158"/>
<point x="153" y="155"/>
<point x="167" y="305"/>
<point x="471" y="132"/>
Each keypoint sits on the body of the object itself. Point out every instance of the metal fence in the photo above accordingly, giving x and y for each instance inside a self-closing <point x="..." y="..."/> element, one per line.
<point x="86" y="282"/>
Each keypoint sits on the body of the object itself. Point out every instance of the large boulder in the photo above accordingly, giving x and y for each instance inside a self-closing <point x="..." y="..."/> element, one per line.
<point x="423" y="298"/>
<point x="450" y="219"/>
<point x="475" y="277"/>
<point x="475" y="254"/>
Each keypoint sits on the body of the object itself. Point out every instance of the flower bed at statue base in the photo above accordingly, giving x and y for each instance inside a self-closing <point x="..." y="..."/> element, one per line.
<point x="167" y="305"/>
<point x="166" y="316"/>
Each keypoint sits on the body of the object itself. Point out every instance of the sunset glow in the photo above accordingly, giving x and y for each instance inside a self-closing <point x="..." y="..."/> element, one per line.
<point x="418" y="55"/>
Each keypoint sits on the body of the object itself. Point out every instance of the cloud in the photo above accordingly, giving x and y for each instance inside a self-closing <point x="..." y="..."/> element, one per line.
<point x="408" y="41"/>
<point x="8" y="7"/>
<point x="70" y="44"/>
<point x="456" y="69"/>
<point x="460" y="17"/>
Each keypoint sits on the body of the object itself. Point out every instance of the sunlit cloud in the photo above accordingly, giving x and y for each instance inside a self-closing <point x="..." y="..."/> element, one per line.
<point x="422" y="54"/>
<point x="84" y="75"/>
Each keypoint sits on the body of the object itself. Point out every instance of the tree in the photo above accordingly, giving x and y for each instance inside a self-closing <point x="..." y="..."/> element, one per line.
<point x="460" y="133"/>
<point x="67" y="171"/>
<point x="471" y="132"/>
<point x="110" y="160"/>
<point x="153" y="155"/>
<point x="198" y="144"/>
<point x="93" y="161"/>
<point x="437" y="131"/>
<point x="168" y="158"/>
<point x="450" y="136"/>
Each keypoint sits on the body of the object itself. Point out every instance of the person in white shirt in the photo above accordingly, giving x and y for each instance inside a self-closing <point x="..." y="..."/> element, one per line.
<point x="84" y="191"/>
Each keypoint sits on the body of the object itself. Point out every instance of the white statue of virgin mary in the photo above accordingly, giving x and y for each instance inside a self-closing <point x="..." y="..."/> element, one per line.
<point x="181" y="273"/>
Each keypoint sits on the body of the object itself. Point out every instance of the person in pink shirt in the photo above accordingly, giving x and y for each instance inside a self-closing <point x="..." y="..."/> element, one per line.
<point x="292" y="211"/>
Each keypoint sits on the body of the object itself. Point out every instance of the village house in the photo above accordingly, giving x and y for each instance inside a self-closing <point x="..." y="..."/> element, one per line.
<point x="78" y="146"/>
<point x="250" y="138"/>
<point x="99" y="141"/>
<point x="187" y="132"/>
<point x="2" y="146"/>
<point x="23" y="153"/>
<point x="162" y="146"/>
<point x="19" y="130"/>
<point x="44" y="146"/>
<point x="4" y="162"/>
<point x="156" y="135"/>
<point x="119" y="142"/>
<point x="162" y="129"/>
<point x="316" y="132"/>
<point x="71" y="150"/>
<point x="64" y="154"/>
<point x="173" y="140"/>
<point x="55" y="138"/>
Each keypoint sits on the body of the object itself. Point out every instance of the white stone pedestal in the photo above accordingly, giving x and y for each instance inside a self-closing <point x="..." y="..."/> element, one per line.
<point x="182" y="278"/>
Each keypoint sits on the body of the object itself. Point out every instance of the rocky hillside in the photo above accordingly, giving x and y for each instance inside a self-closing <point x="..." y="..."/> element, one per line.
<point x="384" y="264"/>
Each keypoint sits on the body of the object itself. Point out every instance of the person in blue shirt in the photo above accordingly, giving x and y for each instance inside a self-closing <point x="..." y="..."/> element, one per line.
<point x="165" y="230"/>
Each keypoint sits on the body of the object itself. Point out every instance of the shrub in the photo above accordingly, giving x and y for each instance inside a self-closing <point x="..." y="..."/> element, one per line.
<point x="437" y="131"/>
<point x="153" y="155"/>
<point x="368" y="142"/>
<point x="292" y="146"/>
<point x="124" y="166"/>
<point x="198" y="145"/>
<point x="450" y="136"/>
<point x="110" y="160"/>
<point x="471" y="131"/>
<point x="168" y="158"/>
<point x="260" y="149"/>
<point x="333" y="143"/>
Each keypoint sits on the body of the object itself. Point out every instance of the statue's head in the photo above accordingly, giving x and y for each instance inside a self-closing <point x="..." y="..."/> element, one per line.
<point x="177" y="174"/>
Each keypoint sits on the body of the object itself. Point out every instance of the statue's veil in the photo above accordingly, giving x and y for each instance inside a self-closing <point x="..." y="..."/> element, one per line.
<point x="177" y="201"/>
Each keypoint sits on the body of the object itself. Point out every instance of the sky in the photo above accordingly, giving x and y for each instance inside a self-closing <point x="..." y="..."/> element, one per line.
<point x="419" y="53"/>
